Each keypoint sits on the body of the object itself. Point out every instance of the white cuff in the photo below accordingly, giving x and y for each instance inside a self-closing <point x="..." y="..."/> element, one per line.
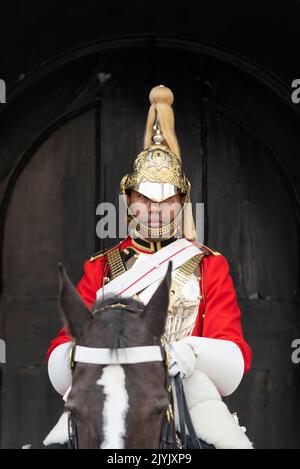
<point x="221" y="360"/>
<point x="59" y="369"/>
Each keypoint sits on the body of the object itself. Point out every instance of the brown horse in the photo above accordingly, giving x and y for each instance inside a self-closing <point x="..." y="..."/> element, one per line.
<point x="117" y="405"/>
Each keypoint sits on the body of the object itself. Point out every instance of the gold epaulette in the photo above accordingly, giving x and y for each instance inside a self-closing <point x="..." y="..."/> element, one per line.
<point x="102" y="252"/>
<point x="96" y="255"/>
<point x="208" y="250"/>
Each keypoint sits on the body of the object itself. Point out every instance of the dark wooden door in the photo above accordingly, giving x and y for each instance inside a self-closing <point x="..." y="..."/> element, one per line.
<point x="69" y="139"/>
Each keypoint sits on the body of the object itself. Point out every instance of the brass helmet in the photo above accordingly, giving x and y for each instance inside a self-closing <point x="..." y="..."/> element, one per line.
<point x="157" y="171"/>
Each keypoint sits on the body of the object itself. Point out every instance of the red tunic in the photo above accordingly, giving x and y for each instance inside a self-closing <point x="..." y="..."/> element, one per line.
<point x="219" y="316"/>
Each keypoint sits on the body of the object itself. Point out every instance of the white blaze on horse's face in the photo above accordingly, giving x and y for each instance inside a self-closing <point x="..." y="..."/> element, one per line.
<point x="115" y="406"/>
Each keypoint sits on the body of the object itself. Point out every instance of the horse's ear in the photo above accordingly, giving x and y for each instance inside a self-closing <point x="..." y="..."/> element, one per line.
<point x="73" y="310"/>
<point x="155" y="313"/>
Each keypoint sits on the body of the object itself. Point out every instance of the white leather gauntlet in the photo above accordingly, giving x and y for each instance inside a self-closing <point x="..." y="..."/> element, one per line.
<point x="221" y="360"/>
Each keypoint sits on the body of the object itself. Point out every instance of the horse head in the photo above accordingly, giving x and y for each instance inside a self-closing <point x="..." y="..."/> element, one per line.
<point x="117" y="405"/>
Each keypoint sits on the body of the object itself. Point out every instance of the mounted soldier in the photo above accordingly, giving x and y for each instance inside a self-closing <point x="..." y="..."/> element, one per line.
<point x="203" y="331"/>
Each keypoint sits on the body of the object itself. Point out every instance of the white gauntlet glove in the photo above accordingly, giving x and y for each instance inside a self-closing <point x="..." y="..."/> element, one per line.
<point x="221" y="360"/>
<point x="182" y="359"/>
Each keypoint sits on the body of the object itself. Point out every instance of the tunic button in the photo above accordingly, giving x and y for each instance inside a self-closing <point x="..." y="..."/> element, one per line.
<point x="203" y="316"/>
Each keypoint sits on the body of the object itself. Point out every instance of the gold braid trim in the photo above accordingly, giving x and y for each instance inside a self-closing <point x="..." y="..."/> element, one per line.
<point x="208" y="250"/>
<point x="182" y="275"/>
<point x="115" y="263"/>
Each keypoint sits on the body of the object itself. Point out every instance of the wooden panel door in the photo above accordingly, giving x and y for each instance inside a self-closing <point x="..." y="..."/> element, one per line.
<point x="94" y="113"/>
<point x="51" y="218"/>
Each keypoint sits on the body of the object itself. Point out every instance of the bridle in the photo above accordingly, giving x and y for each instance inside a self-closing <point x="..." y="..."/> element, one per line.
<point x="123" y="356"/>
<point x="133" y="355"/>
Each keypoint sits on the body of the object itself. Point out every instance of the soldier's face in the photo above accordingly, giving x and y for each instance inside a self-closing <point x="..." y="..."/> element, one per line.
<point x="154" y="214"/>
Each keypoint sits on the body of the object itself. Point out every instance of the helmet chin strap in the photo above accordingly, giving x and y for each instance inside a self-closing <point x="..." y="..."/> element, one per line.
<point x="137" y="228"/>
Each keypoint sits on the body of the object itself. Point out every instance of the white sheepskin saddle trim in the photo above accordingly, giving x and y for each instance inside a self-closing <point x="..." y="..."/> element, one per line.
<point x="59" y="433"/>
<point x="212" y="420"/>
